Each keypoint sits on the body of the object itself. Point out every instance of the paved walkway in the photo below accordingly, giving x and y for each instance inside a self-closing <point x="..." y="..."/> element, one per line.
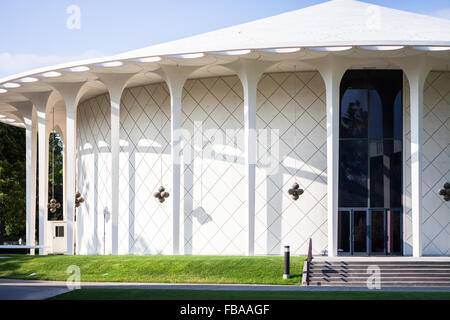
<point x="37" y="290"/>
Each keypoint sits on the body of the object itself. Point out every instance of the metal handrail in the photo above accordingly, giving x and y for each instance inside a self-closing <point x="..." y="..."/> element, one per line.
<point x="308" y="262"/>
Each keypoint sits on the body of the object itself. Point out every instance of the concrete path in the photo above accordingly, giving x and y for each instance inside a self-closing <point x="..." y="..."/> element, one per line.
<point x="37" y="290"/>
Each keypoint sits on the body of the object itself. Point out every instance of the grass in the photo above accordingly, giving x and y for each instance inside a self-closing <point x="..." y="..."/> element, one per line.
<point x="163" y="269"/>
<point x="145" y="294"/>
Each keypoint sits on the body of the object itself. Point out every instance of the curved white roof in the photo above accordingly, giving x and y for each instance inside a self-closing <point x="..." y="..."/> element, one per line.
<point x="334" y="23"/>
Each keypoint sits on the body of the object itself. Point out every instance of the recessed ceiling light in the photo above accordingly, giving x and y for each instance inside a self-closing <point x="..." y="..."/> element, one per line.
<point x="331" y="48"/>
<point x="282" y="50"/>
<point x="149" y="59"/>
<point x="189" y="56"/>
<point x="233" y="52"/>
<point x="432" y="48"/>
<point x="28" y="80"/>
<point x="11" y="85"/>
<point x="78" y="69"/>
<point x="381" y="48"/>
<point x="51" y="74"/>
<point x="3" y="90"/>
<point x="110" y="64"/>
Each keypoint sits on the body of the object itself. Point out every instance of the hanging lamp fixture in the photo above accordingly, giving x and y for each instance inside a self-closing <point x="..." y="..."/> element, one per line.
<point x="53" y="205"/>
<point x="78" y="199"/>
<point x="445" y="192"/>
<point x="161" y="194"/>
<point x="295" y="191"/>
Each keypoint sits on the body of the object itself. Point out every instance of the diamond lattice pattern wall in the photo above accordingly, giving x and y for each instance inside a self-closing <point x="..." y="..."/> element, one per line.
<point x="436" y="166"/>
<point x="293" y="104"/>
<point x="94" y="176"/>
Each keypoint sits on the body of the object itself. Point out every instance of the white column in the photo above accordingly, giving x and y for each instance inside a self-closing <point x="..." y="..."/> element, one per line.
<point x="70" y="92"/>
<point x="250" y="72"/>
<point x="33" y="181"/>
<point x="416" y="69"/>
<point x="175" y="77"/>
<point x="26" y="112"/>
<point x="40" y="101"/>
<point x="416" y="98"/>
<point x="332" y="70"/>
<point x="115" y="83"/>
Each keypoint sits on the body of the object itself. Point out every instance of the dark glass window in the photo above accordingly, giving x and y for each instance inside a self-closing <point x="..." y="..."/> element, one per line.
<point x="370" y="148"/>
<point x="344" y="231"/>
<point x="360" y="231"/>
<point x="377" y="228"/>
<point x="59" y="231"/>
<point x="385" y="173"/>
<point x="354" y="106"/>
<point x="353" y="169"/>
<point x="385" y="101"/>
<point x="394" y="231"/>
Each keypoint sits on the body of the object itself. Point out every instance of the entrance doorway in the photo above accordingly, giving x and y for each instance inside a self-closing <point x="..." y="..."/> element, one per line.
<point x="370" y="163"/>
<point x="370" y="232"/>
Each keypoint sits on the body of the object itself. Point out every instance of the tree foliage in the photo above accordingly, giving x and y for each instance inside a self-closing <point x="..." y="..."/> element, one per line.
<point x="56" y="143"/>
<point x="12" y="182"/>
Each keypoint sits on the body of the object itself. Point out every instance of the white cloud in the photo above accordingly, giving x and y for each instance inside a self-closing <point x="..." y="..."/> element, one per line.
<point x="15" y="63"/>
<point x="442" y="13"/>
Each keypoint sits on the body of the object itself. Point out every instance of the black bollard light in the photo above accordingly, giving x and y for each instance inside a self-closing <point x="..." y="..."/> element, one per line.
<point x="287" y="254"/>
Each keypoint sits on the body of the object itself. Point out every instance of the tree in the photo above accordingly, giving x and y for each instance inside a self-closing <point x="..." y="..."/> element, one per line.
<point x="12" y="182"/>
<point x="56" y="143"/>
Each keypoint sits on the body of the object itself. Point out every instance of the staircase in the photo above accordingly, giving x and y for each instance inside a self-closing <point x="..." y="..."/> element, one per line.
<point x="393" y="273"/>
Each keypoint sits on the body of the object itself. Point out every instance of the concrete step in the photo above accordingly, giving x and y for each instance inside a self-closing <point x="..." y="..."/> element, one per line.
<point x="383" y="276"/>
<point x="382" y="267"/>
<point x="382" y="270"/>
<point x="392" y="273"/>
<point x="364" y="278"/>
<point x="382" y="284"/>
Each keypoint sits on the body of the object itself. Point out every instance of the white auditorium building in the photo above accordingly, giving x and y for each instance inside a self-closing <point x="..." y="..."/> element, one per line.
<point x="349" y="100"/>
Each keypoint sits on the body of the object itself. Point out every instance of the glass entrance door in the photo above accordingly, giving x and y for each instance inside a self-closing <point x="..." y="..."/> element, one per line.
<point x="369" y="232"/>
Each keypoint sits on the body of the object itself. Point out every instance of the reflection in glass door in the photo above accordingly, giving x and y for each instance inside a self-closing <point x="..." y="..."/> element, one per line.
<point x="369" y="232"/>
<point x="359" y="226"/>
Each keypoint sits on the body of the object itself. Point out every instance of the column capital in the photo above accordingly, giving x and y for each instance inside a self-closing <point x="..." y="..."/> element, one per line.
<point x="39" y="100"/>
<point x="249" y="71"/>
<point x="24" y="110"/>
<point x="175" y="76"/>
<point x="115" y="83"/>
<point x="71" y="93"/>
<point x="331" y="67"/>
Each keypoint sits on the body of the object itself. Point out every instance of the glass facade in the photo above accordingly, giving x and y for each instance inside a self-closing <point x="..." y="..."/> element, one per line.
<point x="370" y="161"/>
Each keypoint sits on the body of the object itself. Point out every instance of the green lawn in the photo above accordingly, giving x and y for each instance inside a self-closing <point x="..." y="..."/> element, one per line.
<point x="144" y="294"/>
<point x="164" y="269"/>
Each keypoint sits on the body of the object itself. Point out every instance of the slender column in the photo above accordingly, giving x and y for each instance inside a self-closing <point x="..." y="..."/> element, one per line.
<point x="416" y="69"/>
<point x="70" y="92"/>
<point x="25" y="109"/>
<point x="32" y="223"/>
<point x="250" y="72"/>
<point x="175" y="77"/>
<point x="115" y="84"/>
<point x="332" y="69"/>
<point x="40" y="101"/>
<point x="416" y="98"/>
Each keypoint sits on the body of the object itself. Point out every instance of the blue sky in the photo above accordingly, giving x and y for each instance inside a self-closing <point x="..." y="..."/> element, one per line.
<point x="35" y="33"/>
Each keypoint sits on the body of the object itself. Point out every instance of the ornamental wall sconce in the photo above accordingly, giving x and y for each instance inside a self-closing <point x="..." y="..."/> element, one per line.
<point x="295" y="192"/>
<point x="445" y="192"/>
<point x="53" y="205"/>
<point x="78" y="199"/>
<point x="161" y="195"/>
